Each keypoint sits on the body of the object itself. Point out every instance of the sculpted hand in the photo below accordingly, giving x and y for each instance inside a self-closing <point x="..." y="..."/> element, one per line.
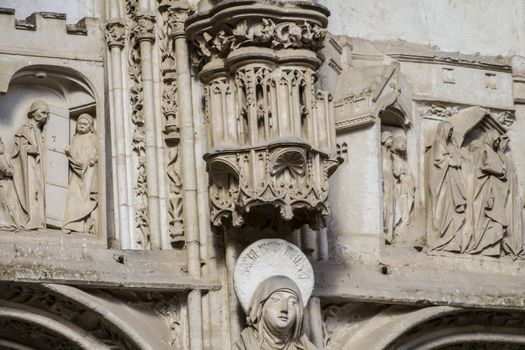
<point x="32" y="150"/>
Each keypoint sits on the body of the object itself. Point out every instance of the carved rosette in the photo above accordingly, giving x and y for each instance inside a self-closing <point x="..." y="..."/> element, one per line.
<point x="270" y="133"/>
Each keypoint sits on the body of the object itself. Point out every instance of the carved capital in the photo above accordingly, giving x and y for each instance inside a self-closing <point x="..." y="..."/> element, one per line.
<point x="115" y="33"/>
<point x="268" y="26"/>
<point x="177" y="18"/>
<point x="146" y="26"/>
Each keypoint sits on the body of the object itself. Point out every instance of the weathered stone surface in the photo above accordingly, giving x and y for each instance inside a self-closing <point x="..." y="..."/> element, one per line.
<point x="144" y="145"/>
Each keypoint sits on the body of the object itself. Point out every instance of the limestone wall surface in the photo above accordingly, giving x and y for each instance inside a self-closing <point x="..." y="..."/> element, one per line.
<point x="469" y="26"/>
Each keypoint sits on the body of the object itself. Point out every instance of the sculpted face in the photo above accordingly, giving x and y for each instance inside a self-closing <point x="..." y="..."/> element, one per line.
<point x="388" y="142"/>
<point x="82" y="126"/>
<point x="280" y="310"/>
<point x="40" y="115"/>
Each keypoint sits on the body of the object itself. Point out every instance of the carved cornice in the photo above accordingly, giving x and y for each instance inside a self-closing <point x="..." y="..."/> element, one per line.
<point x="269" y="25"/>
<point x="115" y="33"/>
<point x="145" y="26"/>
<point x="504" y="117"/>
<point x="264" y="33"/>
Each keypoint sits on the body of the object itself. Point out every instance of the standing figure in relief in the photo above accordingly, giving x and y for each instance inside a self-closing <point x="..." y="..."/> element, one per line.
<point x="490" y="221"/>
<point x="404" y="187"/>
<point x="275" y="318"/>
<point x="28" y="163"/>
<point x="513" y="241"/>
<point x="82" y="195"/>
<point x="388" y="186"/>
<point x="447" y="192"/>
<point x="6" y="178"/>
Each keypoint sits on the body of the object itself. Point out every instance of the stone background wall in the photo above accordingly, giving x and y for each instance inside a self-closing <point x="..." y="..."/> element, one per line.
<point x="469" y="26"/>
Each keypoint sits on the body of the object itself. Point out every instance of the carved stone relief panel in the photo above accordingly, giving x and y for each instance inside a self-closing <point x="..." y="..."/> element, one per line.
<point x="49" y="154"/>
<point x="474" y="202"/>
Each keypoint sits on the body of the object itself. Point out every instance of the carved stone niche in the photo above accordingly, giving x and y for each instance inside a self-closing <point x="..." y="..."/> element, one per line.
<point x="398" y="184"/>
<point x="49" y="153"/>
<point x="270" y="132"/>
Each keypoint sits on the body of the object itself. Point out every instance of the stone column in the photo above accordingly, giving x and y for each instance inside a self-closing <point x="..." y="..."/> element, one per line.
<point x="189" y="181"/>
<point x="146" y="37"/>
<point x="115" y="36"/>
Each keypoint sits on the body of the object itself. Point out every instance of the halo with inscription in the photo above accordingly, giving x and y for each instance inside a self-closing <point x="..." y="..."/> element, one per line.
<point x="271" y="257"/>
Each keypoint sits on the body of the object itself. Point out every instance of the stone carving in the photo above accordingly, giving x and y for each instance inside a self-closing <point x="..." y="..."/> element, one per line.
<point x="505" y="324"/>
<point x="273" y="282"/>
<point x="82" y="198"/>
<point x="172" y="22"/>
<point x="388" y="185"/>
<point x="115" y="34"/>
<point x="175" y="204"/>
<point x="6" y="181"/>
<point x="263" y="32"/>
<point x="441" y="111"/>
<point x="513" y="241"/>
<point x="170" y="310"/>
<point x="473" y="191"/>
<point x="286" y="175"/>
<point x="404" y="186"/>
<point x="488" y="204"/>
<point x="271" y="134"/>
<point x="398" y="185"/>
<point x="23" y="176"/>
<point x="28" y="163"/>
<point x="505" y="118"/>
<point x="145" y="26"/>
<point x="447" y="191"/>
<point x="137" y="118"/>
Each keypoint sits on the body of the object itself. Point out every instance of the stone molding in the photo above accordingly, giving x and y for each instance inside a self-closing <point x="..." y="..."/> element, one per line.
<point x="439" y="110"/>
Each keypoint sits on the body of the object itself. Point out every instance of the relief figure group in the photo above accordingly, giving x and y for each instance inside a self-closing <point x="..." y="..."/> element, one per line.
<point x="475" y="205"/>
<point x="23" y="176"/>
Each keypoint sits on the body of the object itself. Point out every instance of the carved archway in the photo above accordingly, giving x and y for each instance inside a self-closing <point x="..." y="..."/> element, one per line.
<point x="49" y="316"/>
<point x="438" y="327"/>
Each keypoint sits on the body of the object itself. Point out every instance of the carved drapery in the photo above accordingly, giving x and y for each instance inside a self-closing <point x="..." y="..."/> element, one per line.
<point x="475" y="207"/>
<point x="270" y="133"/>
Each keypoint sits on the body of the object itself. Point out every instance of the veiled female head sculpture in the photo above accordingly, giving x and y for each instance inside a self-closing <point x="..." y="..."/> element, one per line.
<point x="275" y="308"/>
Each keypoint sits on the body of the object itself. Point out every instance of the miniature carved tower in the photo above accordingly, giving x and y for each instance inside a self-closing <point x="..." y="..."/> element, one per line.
<point x="270" y="131"/>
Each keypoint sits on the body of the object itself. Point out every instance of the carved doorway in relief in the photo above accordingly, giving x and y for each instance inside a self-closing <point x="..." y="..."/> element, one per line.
<point x="61" y="126"/>
<point x="57" y="140"/>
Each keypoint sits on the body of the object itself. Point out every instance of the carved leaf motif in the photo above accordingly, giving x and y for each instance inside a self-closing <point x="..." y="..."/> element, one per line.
<point x="241" y="29"/>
